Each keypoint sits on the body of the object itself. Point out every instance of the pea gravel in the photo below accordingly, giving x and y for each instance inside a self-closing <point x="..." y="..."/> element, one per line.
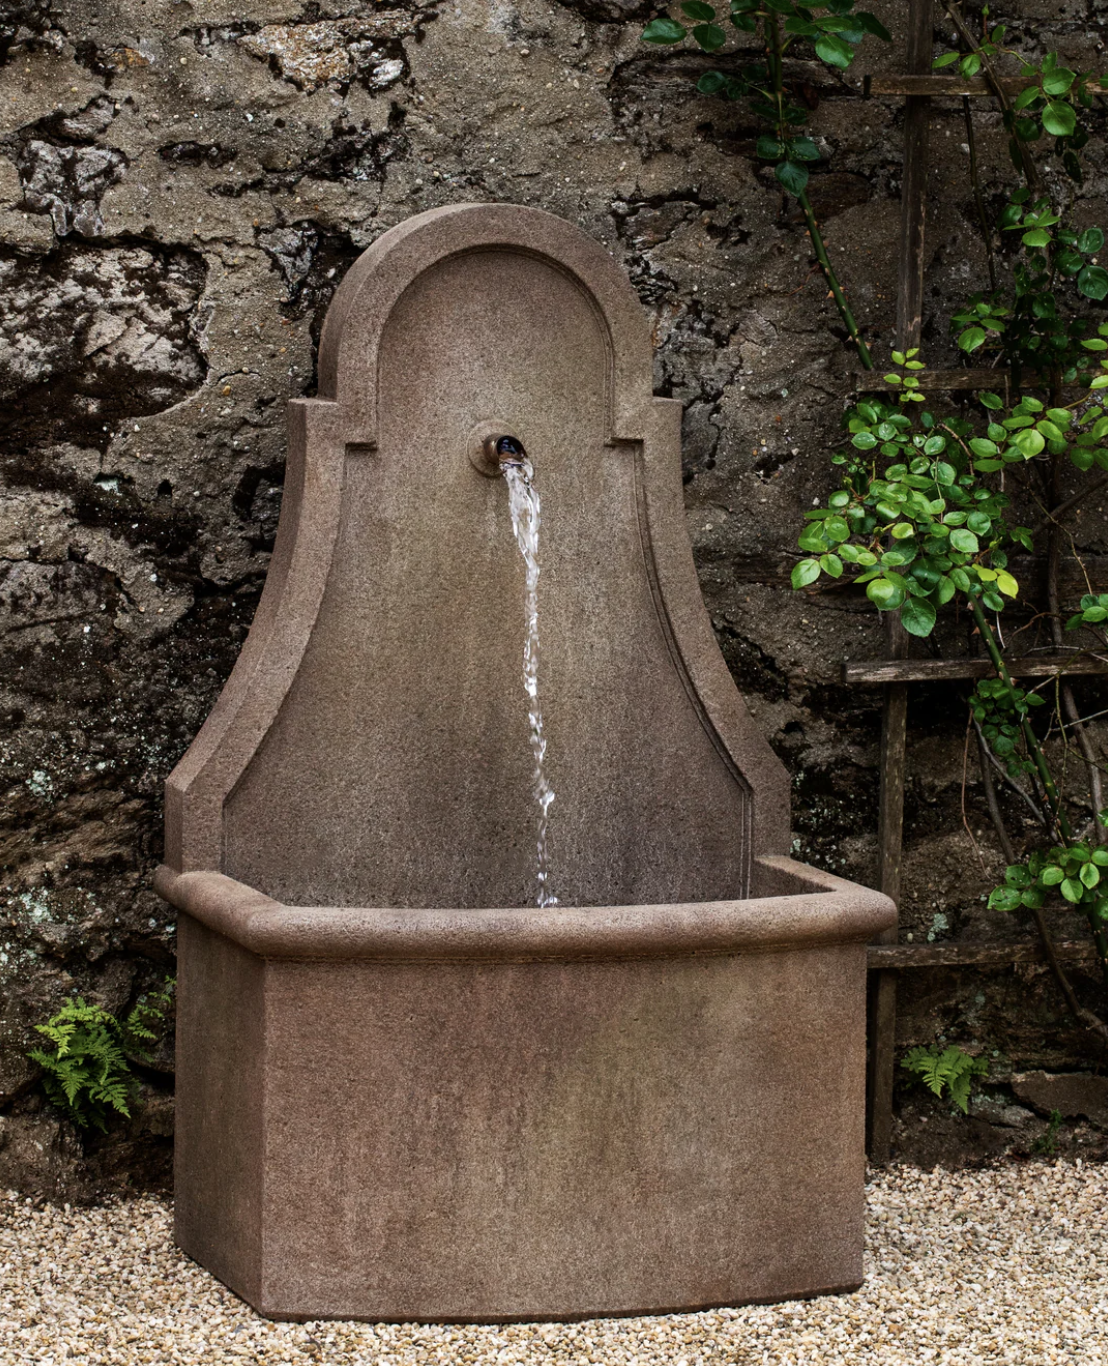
<point x="1008" y="1265"/>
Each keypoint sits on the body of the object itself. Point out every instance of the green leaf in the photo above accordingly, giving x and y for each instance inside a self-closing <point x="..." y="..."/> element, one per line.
<point x="769" y="148"/>
<point x="1057" y="82"/>
<point x="793" y="177"/>
<point x="804" y="573"/>
<point x="992" y="401"/>
<point x="1036" y="237"/>
<point x="834" y="51"/>
<point x="865" y="441"/>
<point x="971" y="338"/>
<point x="1029" y="441"/>
<point x="1004" y="899"/>
<point x="1093" y="282"/>
<point x="832" y="565"/>
<point x="664" y="30"/>
<point x="1007" y="584"/>
<point x="871" y="24"/>
<point x="1051" y="876"/>
<point x="712" y="82"/>
<point x="1090" y="241"/>
<point x="709" y="36"/>
<point x="836" y="528"/>
<point x="1072" y="890"/>
<point x="1059" y="119"/>
<point x="964" y="540"/>
<point x="884" y="595"/>
<point x="917" y="616"/>
<point x="947" y="59"/>
<point x="979" y="445"/>
<point x="697" y="9"/>
<point x="1089" y="875"/>
<point x="804" y="149"/>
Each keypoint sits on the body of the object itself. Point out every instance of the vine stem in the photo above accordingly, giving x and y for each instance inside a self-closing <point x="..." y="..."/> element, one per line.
<point x="1030" y="170"/>
<point x="1038" y="758"/>
<point x="833" y="280"/>
<point x="975" y="180"/>
<point x="1086" y="1017"/>
<point x="777" y="71"/>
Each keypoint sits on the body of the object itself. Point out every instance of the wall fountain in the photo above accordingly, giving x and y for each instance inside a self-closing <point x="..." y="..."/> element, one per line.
<point x="404" y="1089"/>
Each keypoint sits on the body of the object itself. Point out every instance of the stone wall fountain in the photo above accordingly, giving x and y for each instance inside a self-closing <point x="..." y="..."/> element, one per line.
<point x="406" y="1090"/>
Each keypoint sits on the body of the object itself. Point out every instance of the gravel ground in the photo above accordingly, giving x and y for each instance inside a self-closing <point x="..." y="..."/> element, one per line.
<point x="1008" y="1265"/>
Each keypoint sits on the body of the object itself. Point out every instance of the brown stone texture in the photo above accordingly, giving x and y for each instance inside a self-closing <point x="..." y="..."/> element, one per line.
<point x="442" y="1140"/>
<point x="181" y="188"/>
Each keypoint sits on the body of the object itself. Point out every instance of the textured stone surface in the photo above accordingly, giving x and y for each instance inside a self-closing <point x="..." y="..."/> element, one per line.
<point x="578" y="1125"/>
<point x="1072" y="1094"/>
<point x="239" y="187"/>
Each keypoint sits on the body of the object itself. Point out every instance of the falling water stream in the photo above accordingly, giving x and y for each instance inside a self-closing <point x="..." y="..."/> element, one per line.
<point x="523" y="502"/>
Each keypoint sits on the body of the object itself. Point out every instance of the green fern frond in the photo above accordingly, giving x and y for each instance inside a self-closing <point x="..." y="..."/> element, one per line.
<point x="88" y="1074"/>
<point x="951" y="1070"/>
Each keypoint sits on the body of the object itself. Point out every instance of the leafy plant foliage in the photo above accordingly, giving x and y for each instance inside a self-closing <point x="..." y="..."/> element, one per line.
<point x="834" y="30"/>
<point x="950" y="1070"/>
<point x="922" y="518"/>
<point x="88" y="1073"/>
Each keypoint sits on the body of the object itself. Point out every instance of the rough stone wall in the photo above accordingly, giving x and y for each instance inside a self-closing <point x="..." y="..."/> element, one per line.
<point x="181" y="187"/>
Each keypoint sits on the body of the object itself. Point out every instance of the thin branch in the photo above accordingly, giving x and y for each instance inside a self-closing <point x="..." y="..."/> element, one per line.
<point x="1056" y="512"/>
<point x="978" y="198"/>
<point x="1030" y="170"/>
<point x="1037" y="811"/>
<point x="1076" y="1009"/>
<point x="1030" y="739"/>
<point x="777" y="73"/>
<point x="987" y="759"/>
<point x="965" y="817"/>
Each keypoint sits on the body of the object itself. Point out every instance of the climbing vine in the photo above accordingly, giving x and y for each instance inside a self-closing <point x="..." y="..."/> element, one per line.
<point x="924" y="516"/>
<point x="757" y="74"/>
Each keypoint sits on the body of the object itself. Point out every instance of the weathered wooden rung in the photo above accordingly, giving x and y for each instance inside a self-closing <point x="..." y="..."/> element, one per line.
<point x="873" y="381"/>
<point x="883" y="956"/>
<point x="943" y="381"/>
<point x="938" y="85"/>
<point x="942" y="670"/>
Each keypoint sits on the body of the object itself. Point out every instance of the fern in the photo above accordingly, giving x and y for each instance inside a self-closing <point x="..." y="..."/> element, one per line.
<point x="88" y="1075"/>
<point x="951" y="1070"/>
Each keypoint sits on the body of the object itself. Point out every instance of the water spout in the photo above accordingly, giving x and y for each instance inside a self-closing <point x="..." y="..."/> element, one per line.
<point x="525" y="508"/>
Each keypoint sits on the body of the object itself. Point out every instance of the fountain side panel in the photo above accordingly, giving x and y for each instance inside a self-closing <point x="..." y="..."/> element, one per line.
<point x="649" y="1098"/>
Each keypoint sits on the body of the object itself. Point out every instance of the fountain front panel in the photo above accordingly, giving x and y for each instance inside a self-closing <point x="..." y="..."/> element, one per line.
<point x="405" y="1090"/>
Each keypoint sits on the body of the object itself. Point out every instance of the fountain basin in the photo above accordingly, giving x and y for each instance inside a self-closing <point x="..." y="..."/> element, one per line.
<point x="515" y="1113"/>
